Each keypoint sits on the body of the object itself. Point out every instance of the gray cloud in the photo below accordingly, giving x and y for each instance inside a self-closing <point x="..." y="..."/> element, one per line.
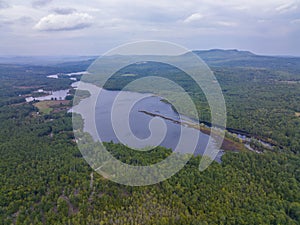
<point x="64" y="11"/>
<point x="40" y="3"/>
<point x="61" y="22"/>
<point x="296" y="21"/>
<point x="3" y="5"/>
<point x="151" y="16"/>
<point x="24" y="20"/>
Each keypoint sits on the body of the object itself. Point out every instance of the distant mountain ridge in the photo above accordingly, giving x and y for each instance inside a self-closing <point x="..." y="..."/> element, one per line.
<point x="236" y="58"/>
<point x="213" y="57"/>
<point x="221" y="53"/>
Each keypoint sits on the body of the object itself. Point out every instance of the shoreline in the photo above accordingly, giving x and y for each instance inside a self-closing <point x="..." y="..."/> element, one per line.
<point x="227" y="145"/>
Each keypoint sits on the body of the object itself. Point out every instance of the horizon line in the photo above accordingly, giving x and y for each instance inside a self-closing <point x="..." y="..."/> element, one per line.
<point x="99" y="55"/>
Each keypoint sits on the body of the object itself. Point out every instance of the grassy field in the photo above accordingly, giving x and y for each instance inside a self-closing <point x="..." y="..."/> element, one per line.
<point x="47" y="107"/>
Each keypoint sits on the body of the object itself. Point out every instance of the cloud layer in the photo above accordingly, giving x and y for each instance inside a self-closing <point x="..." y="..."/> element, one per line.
<point x="64" y="11"/>
<point x="268" y="26"/>
<point x="3" y="4"/>
<point x="41" y="3"/>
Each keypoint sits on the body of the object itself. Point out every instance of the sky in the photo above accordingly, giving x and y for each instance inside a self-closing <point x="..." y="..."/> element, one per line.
<point x="73" y="27"/>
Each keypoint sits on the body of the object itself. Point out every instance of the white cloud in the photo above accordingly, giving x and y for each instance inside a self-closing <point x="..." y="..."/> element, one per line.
<point x="287" y="7"/>
<point x="226" y="23"/>
<point x="193" y="18"/>
<point x="59" y="22"/>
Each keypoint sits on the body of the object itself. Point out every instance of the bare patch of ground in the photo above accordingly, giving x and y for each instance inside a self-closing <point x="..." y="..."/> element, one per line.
<point x="47" y="107"/>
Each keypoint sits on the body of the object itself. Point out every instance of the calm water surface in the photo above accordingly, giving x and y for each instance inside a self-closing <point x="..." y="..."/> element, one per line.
<point x="108" y="106"/>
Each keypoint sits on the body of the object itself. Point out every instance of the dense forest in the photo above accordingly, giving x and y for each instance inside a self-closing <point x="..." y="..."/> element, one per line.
<point x="45" y="180"/>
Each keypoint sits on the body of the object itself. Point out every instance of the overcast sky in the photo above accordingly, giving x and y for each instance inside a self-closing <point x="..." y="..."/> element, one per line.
<point x="81" y="27"/>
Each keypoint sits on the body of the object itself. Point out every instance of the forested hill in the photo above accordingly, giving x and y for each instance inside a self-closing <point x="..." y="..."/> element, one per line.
<point x="217" y="54"/>
<point x="236" y="58"/>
